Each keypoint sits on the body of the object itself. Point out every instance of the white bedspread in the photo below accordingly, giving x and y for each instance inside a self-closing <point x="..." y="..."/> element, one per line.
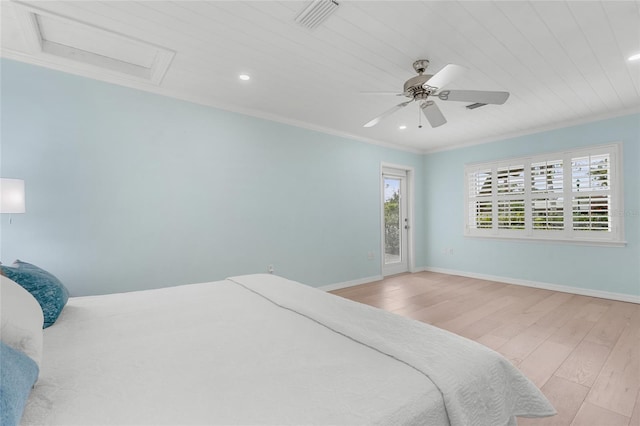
<point x="220" y="353"/>
<point x="479" y="386"/>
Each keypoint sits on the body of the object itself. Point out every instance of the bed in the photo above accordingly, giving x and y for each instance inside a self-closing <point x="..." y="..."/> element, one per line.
<point x="260" y="349"/>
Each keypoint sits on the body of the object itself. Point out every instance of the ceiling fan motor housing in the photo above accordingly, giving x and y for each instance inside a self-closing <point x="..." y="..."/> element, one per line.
<point x="413" y="88"/>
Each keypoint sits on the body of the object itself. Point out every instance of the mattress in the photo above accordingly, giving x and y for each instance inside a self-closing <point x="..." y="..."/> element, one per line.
<point x="264" y="350"/>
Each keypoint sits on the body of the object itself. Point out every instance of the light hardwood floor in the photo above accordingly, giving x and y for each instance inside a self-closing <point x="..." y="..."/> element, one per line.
<point x="583" y="352"/>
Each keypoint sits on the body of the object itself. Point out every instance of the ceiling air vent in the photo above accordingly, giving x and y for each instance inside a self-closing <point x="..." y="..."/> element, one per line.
<point x="316" y="12"/>
<point x="476" y="105"/>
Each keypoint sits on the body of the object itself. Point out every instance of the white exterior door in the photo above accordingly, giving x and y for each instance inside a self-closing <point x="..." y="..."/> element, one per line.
<point x="395" y="221"/>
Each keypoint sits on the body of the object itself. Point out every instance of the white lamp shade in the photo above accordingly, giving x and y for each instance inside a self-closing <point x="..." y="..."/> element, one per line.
<point x="12" y="196"/>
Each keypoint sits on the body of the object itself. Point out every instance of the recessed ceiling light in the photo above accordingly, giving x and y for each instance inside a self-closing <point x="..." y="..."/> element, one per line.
<point x="634" y="57"/>
<point x="244" y="77"/>
<point x="402" y="127"/>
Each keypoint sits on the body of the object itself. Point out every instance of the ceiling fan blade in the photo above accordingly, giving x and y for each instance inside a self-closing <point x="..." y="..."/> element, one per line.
<point x="445" y="76"/>
<point x="480" y="96"/>
<point x="433" y="113"/>
<point x="387" y="113"/>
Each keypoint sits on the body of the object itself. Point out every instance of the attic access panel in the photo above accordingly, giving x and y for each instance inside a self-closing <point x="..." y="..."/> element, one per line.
<point x="62" y="38"/>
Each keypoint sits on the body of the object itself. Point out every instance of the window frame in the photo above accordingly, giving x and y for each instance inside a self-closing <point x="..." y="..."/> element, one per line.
<point x="615" y="234"/>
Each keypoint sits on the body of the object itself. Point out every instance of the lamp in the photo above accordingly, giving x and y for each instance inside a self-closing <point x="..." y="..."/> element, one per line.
<point x="12" y="196"/>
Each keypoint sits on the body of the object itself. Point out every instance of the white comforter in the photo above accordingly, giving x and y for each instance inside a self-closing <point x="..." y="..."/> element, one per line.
<point x="264" y="350"/>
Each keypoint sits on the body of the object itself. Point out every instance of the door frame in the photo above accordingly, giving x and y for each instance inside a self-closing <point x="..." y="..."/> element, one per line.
<point x="410" y="195"/>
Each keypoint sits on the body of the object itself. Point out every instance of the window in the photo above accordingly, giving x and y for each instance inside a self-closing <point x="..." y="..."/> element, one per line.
<point x="566" y="196"/>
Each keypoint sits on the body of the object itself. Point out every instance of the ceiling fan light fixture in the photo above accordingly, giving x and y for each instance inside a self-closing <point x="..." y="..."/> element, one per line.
<point x="316" y="12"/>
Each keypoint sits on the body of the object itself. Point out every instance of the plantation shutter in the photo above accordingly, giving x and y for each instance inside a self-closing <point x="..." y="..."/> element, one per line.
<point x="480" y="199"/>
<point x="547" y="201"/>
<point x="566" y="196"/>
<point x="591" y="198"/>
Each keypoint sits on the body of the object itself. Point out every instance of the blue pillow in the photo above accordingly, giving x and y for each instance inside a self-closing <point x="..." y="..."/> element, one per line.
<point x="44" y="286"/>
<point x="18" y="373"/>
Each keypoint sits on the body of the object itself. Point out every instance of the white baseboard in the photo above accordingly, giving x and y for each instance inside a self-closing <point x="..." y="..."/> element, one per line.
<point x="338" y="286"/>
<point x="537" y="284"/>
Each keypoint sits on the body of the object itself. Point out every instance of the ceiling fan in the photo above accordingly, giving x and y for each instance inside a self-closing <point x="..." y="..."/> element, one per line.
<point x="423" y="86"/>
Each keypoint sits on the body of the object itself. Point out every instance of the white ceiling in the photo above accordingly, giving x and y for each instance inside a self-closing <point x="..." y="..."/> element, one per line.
<point x="562" y="61"/>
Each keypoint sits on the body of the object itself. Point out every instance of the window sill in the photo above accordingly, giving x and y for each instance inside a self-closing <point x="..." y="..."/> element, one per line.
<point x="569" y="241"/>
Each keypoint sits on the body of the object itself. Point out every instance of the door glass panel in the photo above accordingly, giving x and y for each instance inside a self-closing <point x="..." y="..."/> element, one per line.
<point x="392" y="225"/>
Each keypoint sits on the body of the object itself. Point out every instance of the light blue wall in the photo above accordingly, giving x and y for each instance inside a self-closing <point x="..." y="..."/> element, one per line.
<point x="128" y="190"/>
<point x="612" y="269"/>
